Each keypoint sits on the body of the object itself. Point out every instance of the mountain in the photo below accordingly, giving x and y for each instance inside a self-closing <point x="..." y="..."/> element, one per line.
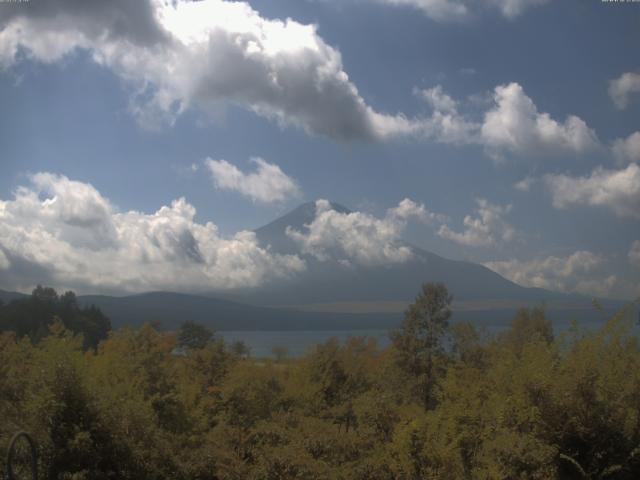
<point x="330" y="282"/>
<point x="274" y="234"/>
<point x="332" y="296"/>
<point x="6" y="297"/>
<point x="171" y="309"/>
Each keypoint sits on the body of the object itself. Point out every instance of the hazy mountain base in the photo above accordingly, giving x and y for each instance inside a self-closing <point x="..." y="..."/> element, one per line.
<point x="518" y="406"/>
<point x="168" y="310"/>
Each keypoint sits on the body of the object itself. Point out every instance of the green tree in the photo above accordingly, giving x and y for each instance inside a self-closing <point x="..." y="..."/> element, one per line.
<point x="528" y="325"/>
<point x="467" y="344"/>
<point x="192" y="335"/>
<point x="44" y="294"/>
<point x="418" y="341"/>
<point x="240" y="349"/>
<point x="280" y="353"/>
<point x="32" y="316"/>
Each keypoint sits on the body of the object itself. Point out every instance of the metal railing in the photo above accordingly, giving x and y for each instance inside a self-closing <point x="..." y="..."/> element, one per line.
<point x="22" y="458"/>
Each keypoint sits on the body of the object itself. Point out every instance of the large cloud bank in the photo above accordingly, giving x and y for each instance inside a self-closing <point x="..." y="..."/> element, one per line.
<point x="64" y="232"/>
<point x="177" y="55"/>
<point x="182" y="55"/>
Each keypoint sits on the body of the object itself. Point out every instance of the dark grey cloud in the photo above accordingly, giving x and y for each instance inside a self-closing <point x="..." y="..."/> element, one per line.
<point x="133" y="20"/>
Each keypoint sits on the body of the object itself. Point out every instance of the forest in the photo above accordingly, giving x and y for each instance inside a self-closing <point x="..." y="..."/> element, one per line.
<point x="446" y="400"/>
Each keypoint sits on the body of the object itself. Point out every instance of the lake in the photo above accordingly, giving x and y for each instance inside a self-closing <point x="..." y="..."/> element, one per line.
<point x="299" y="343"/>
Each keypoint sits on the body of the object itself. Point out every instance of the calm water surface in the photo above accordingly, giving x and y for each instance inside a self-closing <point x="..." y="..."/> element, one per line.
<point x="298" y="343"/>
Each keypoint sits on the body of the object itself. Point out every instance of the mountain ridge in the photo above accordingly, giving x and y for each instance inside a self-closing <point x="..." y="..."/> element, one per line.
<point x="329" y="296"/>
<point x="330" y="282"/>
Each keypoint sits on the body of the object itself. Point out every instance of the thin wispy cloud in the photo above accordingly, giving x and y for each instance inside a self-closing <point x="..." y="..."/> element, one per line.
<point x="461" y="10"/>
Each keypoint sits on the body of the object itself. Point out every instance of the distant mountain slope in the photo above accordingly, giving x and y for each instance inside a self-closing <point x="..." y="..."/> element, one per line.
<point x="274" y="233"/>
<point x="330" y="282"/>
<point x="6" y="296"/>
<point x="171" y="309"/>
<point x="322" y="297"/>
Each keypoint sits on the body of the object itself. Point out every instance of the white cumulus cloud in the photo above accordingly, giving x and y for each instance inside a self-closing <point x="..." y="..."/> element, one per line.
<point x="64" y="232"/>
<point x="580" y="272"/>
<point x="623" y="88"/>
<point x="201" y="55"/>
<point x="181" y="55"/>
<point x="442" y="10"/>
<point x="446" y="124"/>
<point x="515" y="125"/>
<point x="439" y="100"/>
<point x="407" y="209"/>
<point x="488" y="228"/>
<point x="511" y="125"/>
<point x="617" y="190"/>
<point x="358" y="237"/>
<point x="267" y="184"/>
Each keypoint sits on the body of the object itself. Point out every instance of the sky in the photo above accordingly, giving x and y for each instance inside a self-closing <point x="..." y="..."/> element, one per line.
<point x="141" y="142"/>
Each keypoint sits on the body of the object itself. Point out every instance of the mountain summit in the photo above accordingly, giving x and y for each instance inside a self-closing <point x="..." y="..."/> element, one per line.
<point x="330" y="281"/>
<point x="333" y="295"/>
<point x="274" y="233"/>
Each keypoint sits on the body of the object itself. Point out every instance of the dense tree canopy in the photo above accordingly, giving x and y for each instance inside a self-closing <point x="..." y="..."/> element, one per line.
<point x="518" y="405"/>
<point x="419" y="340"/>
<point x="193" y="335"/>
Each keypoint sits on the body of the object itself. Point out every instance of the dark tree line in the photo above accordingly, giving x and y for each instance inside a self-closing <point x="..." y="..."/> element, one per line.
<point x="32" y="316"/>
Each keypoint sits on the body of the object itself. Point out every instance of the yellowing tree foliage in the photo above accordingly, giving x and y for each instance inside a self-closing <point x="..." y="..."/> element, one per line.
<point x="519" y="405"/>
